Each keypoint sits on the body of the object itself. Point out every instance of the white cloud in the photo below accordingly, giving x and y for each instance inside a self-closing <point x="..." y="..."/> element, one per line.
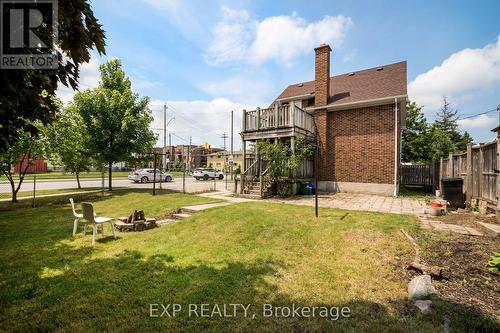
<point x="89" y="78"/>
<point x="181" y="16"/>
<point x="482" y="121"/>
<point x="203" y="120"/>
<point x="282" y="38"/>
<point x="245" y="88"/>
<point x="465" y="73"/>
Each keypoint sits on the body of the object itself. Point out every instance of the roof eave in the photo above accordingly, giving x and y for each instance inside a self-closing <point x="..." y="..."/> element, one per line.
<point x="359" y="104"/>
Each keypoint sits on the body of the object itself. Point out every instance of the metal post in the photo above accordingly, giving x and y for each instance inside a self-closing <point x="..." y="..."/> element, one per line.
<point x="316" y="158"/>
<point x="184" y="179"/>
<point x="164" y="125"/>
<point x="34" y="191"/>
<point x="170" y="159"/>
<point x="154" y="174"/>
<point x="224" y="136"/>
<point x="232" y="152"/>
<point x="189" y="155"/>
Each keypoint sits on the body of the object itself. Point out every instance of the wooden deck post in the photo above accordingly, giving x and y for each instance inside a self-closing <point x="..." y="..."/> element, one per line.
<point x="468" y="178"/>
<point x="257" y="111"/>
<point x="292" y="113"/>
<point x="243" y="166"/>
<point x="244" y="119"/>
<point x="276" y="114"/>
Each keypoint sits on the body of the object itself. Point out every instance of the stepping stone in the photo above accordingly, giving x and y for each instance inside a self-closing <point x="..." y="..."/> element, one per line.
<point x="494" y="228"/>
<point x="180" y="216"/>
<point x="474" y="232"/>
<point x="198" y="208"/>
<point x="166" y="221"/>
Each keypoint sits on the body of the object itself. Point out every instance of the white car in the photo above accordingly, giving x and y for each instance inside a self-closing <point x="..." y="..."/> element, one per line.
<point x="206" y="173"/>
<point x="147" y="175"/>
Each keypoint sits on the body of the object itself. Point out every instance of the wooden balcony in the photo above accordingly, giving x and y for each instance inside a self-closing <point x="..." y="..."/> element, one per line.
<point x="279" y="121"/>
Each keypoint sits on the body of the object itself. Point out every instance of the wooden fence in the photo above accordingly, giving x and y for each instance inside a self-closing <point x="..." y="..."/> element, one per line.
<point x="478" y="167"/>
<point x="425" y="175"/>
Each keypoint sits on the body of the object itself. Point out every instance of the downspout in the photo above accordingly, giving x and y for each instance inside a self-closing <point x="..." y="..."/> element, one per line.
<point x="395" y="147"/>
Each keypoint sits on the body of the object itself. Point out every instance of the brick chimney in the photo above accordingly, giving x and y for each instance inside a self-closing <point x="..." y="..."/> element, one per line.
<point x="322" y="74"/>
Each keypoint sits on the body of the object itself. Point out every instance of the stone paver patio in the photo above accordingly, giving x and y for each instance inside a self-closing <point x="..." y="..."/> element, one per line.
<point x="358" y="201"/>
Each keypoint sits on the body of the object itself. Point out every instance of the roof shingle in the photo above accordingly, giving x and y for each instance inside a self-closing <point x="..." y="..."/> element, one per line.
<point x="364" y="85"/>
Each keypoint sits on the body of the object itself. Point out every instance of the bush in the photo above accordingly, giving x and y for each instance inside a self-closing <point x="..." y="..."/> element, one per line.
<point x="284" y="189"/>
<point x="494" y="263"/>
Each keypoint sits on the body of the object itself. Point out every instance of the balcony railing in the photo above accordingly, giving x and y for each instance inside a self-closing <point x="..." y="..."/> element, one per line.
<point x="277" y="117"/>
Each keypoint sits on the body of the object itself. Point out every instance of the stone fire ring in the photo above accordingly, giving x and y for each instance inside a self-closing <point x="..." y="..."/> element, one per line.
<point x="138" y="225"/>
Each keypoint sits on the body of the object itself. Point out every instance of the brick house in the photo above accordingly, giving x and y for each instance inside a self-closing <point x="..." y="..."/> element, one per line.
<point x="356" y="119"/>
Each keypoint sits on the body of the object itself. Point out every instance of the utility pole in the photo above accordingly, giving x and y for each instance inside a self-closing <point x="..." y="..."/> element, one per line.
<point x="189" y="155"/>
<point x="224" y="136"/>
<point x="232" y="135"/>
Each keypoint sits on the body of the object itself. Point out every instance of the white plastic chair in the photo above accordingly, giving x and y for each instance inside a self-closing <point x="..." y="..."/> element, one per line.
<point x="89" y="217"/>
<point x="76" y="215"/>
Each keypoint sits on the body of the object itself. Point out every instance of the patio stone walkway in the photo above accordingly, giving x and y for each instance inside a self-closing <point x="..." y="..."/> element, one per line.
<point x="358" y="201"/>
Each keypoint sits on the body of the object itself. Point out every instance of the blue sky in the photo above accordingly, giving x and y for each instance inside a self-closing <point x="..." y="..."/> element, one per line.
<point x="205" y="58"/>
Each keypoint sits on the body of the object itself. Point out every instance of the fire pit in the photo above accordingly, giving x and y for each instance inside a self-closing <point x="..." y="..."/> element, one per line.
<point x="135" y="222"/>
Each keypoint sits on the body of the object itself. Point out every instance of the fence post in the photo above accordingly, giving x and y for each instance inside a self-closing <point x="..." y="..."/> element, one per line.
<point x="468" y="178"/>
<point x="441" y="170"/>
<point x="154" y="175"/>
<point x="34" y="191"/>
<point x="480" y="171"/>
<point x="498" y="179"/>
<point x="450" y="165"/>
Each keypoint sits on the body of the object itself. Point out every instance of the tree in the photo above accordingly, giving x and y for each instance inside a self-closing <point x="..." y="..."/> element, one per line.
<point x="66" y="144"/>
<point x="22" y="152"/>
<point x="117" y="121"/>
<point x="415" y="146"/>
<point x="440" y="144"/>
<point x="447" y="123"/>
<point x="26" y="95"/>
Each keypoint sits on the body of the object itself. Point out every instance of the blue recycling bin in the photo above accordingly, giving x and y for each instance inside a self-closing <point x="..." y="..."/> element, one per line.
<point x="310" y="188"/>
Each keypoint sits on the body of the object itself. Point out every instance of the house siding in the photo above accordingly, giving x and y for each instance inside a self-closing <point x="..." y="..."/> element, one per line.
<point x="357" y="145"/>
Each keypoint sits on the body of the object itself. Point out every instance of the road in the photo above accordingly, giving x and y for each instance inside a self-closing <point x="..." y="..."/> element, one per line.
<point x="192" y="185"/>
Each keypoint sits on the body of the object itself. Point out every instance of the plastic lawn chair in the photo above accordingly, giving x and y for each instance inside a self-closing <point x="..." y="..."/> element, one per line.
<point x="76" y="215"/>
<point x="90" y="218"/>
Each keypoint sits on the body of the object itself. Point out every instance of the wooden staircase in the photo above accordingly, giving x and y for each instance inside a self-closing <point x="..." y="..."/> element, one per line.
<point x="258" y="183"/>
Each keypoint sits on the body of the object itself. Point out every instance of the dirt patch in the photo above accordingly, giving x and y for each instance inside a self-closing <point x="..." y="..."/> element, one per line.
<point x="465" y="218"/>
<point x="464" y="259"/>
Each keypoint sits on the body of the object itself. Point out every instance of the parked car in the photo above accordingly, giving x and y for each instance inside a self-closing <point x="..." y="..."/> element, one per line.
<point x="147" y="175"/>
<point x="206" y="173"/>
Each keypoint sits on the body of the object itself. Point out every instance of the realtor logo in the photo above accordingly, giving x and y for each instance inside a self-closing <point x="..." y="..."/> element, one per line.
<point x="28" y="34"/>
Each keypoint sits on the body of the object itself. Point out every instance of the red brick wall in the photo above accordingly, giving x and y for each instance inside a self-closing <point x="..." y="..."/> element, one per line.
<point x="322" y="75"/>
<point x="357" y="145"/>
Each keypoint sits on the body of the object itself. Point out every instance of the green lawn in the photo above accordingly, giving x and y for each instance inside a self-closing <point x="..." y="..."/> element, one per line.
<point x="51" y="191"/>
<point x="66" y="175"/>
<point x="248" y="253"/>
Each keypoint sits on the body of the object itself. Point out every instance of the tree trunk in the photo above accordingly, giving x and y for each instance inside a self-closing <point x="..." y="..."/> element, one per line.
<point x="110" y="186"/>
<point x="78" y="179"/>
<point x="14" y="191"/>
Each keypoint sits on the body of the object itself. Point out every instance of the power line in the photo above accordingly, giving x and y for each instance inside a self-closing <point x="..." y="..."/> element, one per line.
<point x="478" y="114"/>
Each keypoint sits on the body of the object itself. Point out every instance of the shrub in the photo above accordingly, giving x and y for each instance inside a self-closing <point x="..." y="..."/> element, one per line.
<point x="494" y="263"/>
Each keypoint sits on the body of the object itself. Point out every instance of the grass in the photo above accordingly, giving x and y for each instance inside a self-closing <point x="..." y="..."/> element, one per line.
<point x="51" y="191"/>
<point x="248" y="253"/>
<point x="56" y="175"/>
<point x="67" y="175"/>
